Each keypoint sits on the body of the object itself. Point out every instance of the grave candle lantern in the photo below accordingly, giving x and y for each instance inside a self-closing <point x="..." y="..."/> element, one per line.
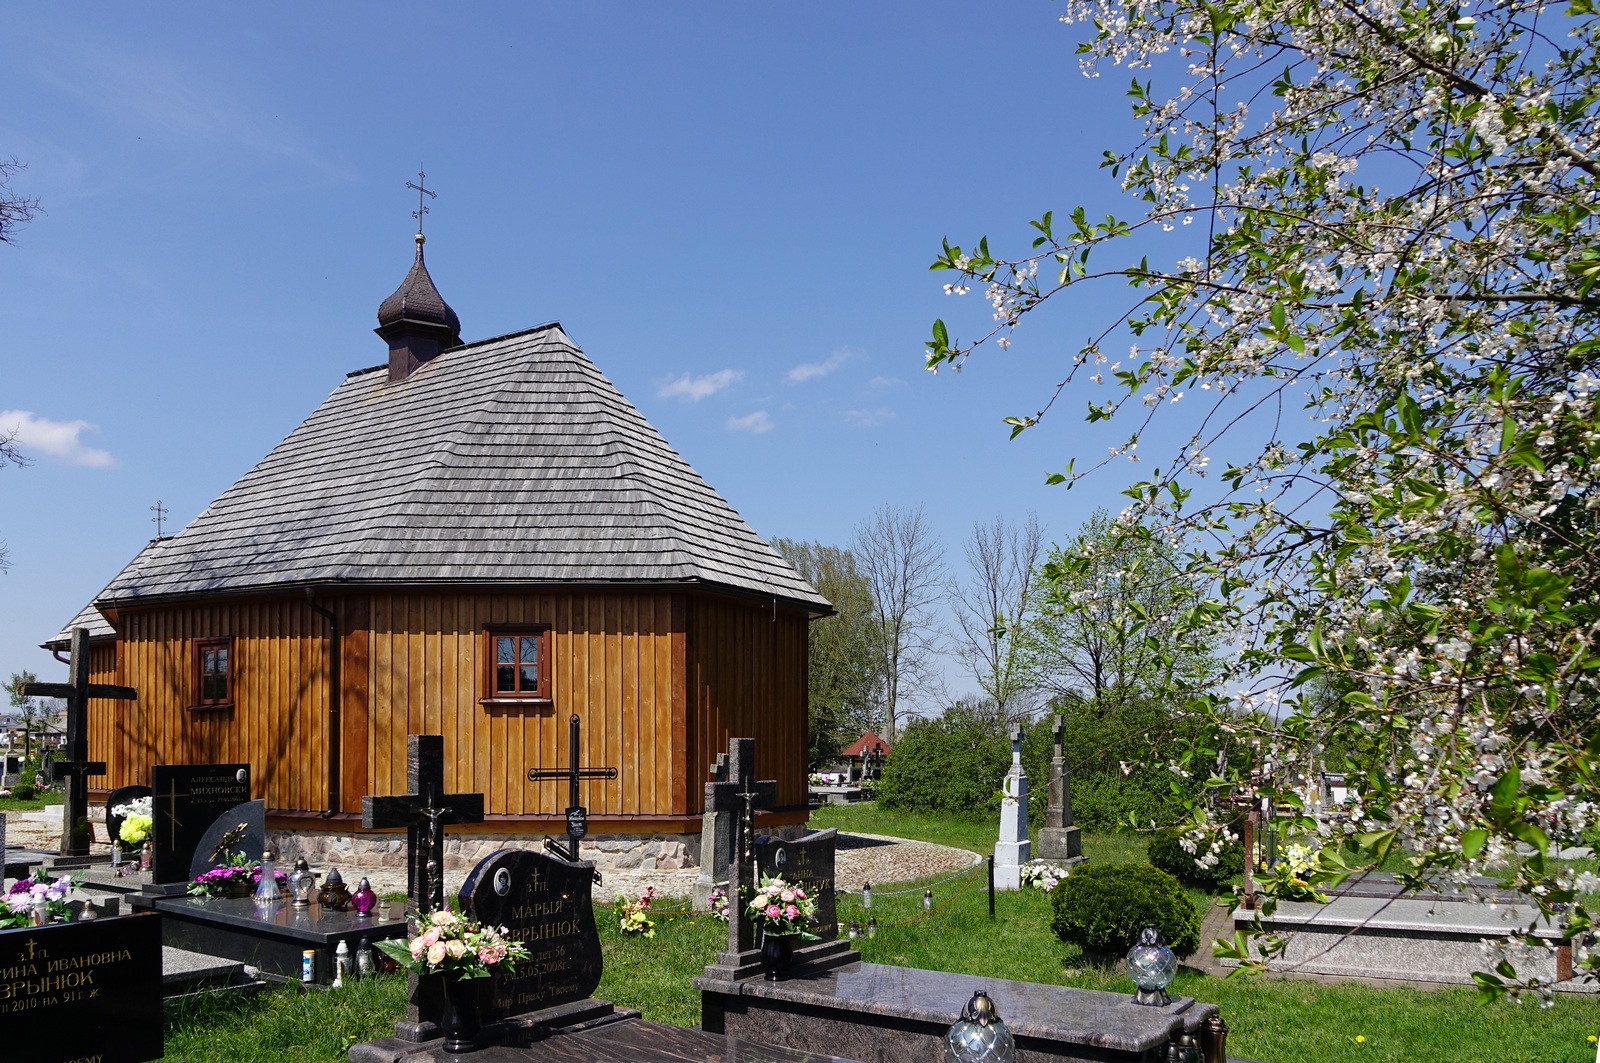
<point x="335" y="895"/>
<point x="364" y="899"/>
<point x="267" y="888"/>
<point x="302" y="884"/>
<point x="1151" y="965"/>
<point x="866" y="895"/>
<point x="979" y="1036"/>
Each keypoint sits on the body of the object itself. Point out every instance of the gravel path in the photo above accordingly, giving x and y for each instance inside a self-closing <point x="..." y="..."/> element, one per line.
<point x="861" y="858"/>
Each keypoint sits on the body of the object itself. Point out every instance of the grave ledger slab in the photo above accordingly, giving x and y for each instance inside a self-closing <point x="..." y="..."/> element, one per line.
<point x="188" y="799"/>
<point x="901" y="1015"/>
<point x="271" y="938"/>
<point x="82" y="991"/>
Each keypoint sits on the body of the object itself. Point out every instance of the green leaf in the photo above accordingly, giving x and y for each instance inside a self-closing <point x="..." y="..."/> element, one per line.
<point x="1473" y="841"/>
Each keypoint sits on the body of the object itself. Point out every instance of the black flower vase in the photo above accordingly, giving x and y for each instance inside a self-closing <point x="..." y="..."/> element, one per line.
<point x="776" y="955"/>
<point x="460" y="1019"/>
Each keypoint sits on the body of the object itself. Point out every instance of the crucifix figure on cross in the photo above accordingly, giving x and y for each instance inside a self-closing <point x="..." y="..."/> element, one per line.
<point x="76" y="767"/>
<point x="423" y="810"/>
<point x="577" y="815"/>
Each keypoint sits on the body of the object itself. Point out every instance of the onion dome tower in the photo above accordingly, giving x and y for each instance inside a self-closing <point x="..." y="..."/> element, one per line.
<point x="416" y="321"/>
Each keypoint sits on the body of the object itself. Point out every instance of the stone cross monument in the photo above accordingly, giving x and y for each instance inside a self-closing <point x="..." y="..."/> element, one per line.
<point x="1013" y="850"/>
<point x="1059" y="840"/>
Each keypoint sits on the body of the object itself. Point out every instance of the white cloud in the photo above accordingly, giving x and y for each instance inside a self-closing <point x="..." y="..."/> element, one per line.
<point x="695" y="388"/>
<point x="811" y="370"/>
<point x="757" y="422"/>
<point x="58" y="439"/>
<point x="869" y="418"/>
<point x="878" y="383"/>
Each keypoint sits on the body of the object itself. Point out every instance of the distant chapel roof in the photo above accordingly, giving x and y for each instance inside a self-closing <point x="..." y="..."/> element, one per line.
<point x="511" y="460"/>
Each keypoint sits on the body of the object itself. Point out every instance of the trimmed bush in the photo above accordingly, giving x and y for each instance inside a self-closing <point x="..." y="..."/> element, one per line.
<point x="1166" y="852"/>
<point x="24" y="791"/>
<point x="1102" y="907"/>
<point x="1101" y="804"/>
<point x="949" y="766"/>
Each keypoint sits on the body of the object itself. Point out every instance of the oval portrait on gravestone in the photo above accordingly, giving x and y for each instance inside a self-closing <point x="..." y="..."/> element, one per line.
<point x="502" y="881"/>
<point x="781" y="859"/>
<point x="242" y="775"/>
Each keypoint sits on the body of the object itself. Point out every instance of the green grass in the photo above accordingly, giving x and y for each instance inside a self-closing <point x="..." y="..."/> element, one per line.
<point x="284" y="1025"/>
<point x="11" y="804"/>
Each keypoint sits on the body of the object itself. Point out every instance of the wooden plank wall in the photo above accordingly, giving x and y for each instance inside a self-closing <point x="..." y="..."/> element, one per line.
<point x="747" y="679"/>
<point x="103" y="713"/>
<point x="612" y="655"/>
<point x="279" y="720"/>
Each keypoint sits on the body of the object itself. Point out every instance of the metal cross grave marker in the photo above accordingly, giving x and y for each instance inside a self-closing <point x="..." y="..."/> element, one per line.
<point x="423" y="810"/>
<point x="77" y="767"/>
<point x="577" y="815"/>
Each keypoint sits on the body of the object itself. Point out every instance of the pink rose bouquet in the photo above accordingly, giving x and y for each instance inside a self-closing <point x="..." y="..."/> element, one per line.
<point x="781" y="909"/>
<point x="454" y="945"/>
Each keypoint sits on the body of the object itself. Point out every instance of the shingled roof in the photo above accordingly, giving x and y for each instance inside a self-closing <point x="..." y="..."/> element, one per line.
<point x="508" y="461"/>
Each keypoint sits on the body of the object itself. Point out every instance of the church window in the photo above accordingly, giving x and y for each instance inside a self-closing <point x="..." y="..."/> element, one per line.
<point x="214" y="671"/>
<point x="518" y="664"/>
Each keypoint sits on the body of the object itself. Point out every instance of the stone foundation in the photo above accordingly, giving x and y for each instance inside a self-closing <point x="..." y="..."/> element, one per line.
<point x="462" y="851"/>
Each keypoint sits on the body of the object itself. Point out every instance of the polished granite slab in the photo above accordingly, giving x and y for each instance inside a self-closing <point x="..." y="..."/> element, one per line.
<point x="899" y="1011"/>
<point x="271" y="938"/>
<point x="632" y="1041"/>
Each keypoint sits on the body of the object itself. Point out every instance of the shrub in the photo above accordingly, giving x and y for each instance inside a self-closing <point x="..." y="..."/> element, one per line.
<point x="950" y="766"/>
<point x="1167" y="853"/>
<point x="1101" y="804"/>
<point x="1102" y="907"/>
<point x="24" y="791"/>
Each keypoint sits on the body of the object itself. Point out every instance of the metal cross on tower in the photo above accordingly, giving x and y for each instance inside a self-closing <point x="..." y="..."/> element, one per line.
<point x="577" y="815"/>
<point x="160" y="512"/>
<point x="422" y="190"/>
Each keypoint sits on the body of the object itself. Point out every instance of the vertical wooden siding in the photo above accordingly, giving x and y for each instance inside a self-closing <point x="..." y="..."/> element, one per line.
<point x="747" y="679"/>
<point x="612" y="665"/>
<point x="659" y="680"/>
<point x="279" y="720"/>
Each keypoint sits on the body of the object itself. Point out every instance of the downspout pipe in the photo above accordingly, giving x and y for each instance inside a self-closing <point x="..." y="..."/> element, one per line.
<point x="335" y="656"/>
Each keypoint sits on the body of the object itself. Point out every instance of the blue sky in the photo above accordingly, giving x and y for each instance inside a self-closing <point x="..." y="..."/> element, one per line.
<point x="731" y="208"/>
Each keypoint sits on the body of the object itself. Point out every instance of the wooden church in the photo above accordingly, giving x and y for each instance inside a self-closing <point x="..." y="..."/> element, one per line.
<point x="475" y="540"/>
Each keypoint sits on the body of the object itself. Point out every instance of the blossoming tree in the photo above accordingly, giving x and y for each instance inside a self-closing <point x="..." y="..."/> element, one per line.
<point x="1383" y="213"/>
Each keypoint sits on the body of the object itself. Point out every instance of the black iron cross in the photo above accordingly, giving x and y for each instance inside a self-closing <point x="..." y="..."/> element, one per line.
<point x="741" y="793"/>
<point x="577" y="815"/>
<point x="77" y="767"/>
<point x="1056" y="731"/>
<point x="423" y="810"/>
<point x="422" y="207"/>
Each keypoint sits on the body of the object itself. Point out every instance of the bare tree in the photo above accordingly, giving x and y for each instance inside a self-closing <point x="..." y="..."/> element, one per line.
<point x="991" y="607"/>
<point x="904" y="564"/>
<point x="15" y="210"/>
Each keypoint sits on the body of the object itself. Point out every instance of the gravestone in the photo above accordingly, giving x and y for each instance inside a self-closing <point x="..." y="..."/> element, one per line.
<point x="807" y="862"/>
<point x="1059" y="840"/>
<point x="121" y="796"/>
<point x="188" y="799"/>
<point x="239" y="831"/>
<point x="76" y="767"/>
<point x="11" y="774"/>
<point x="74" y="992"/>
<point x="1013" y="849"/>
<point x="716" y="838"/>
<point x="423" y="810"/>
<point x="545" y="903"/>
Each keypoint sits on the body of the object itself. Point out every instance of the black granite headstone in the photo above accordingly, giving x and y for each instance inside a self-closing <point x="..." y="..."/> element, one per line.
<point x="808" y="862"/>
<point x="82" y="991"/>
<point x="240" y="831"/>
<point x="544" y="902"/>
<point x="121" y="796"/>
<point x="188" y="799"/>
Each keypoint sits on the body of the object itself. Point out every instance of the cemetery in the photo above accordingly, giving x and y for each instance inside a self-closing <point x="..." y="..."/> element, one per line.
<point x="466" y="720"/>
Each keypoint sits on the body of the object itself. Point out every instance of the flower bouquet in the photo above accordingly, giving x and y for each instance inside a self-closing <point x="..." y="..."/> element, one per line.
<point x="1291" y="877"/>
<point x="779" y="909"/>
<point x="137" y="822"/>
<point x="1042" y="876"/>
<point x="237" y="878"/>
<point x="36" y="900"/>
<point x="719" y="903"/>
<point x="634" y="919"/>
<point x="453" y="945"/>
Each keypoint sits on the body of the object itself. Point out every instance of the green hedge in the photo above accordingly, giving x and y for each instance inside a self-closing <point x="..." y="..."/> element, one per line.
<point x="1102" y="907"/>
<point x="950" y="766"/>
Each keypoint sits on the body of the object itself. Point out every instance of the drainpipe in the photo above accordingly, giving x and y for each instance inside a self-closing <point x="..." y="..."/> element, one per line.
<point x="335" y="642"/>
